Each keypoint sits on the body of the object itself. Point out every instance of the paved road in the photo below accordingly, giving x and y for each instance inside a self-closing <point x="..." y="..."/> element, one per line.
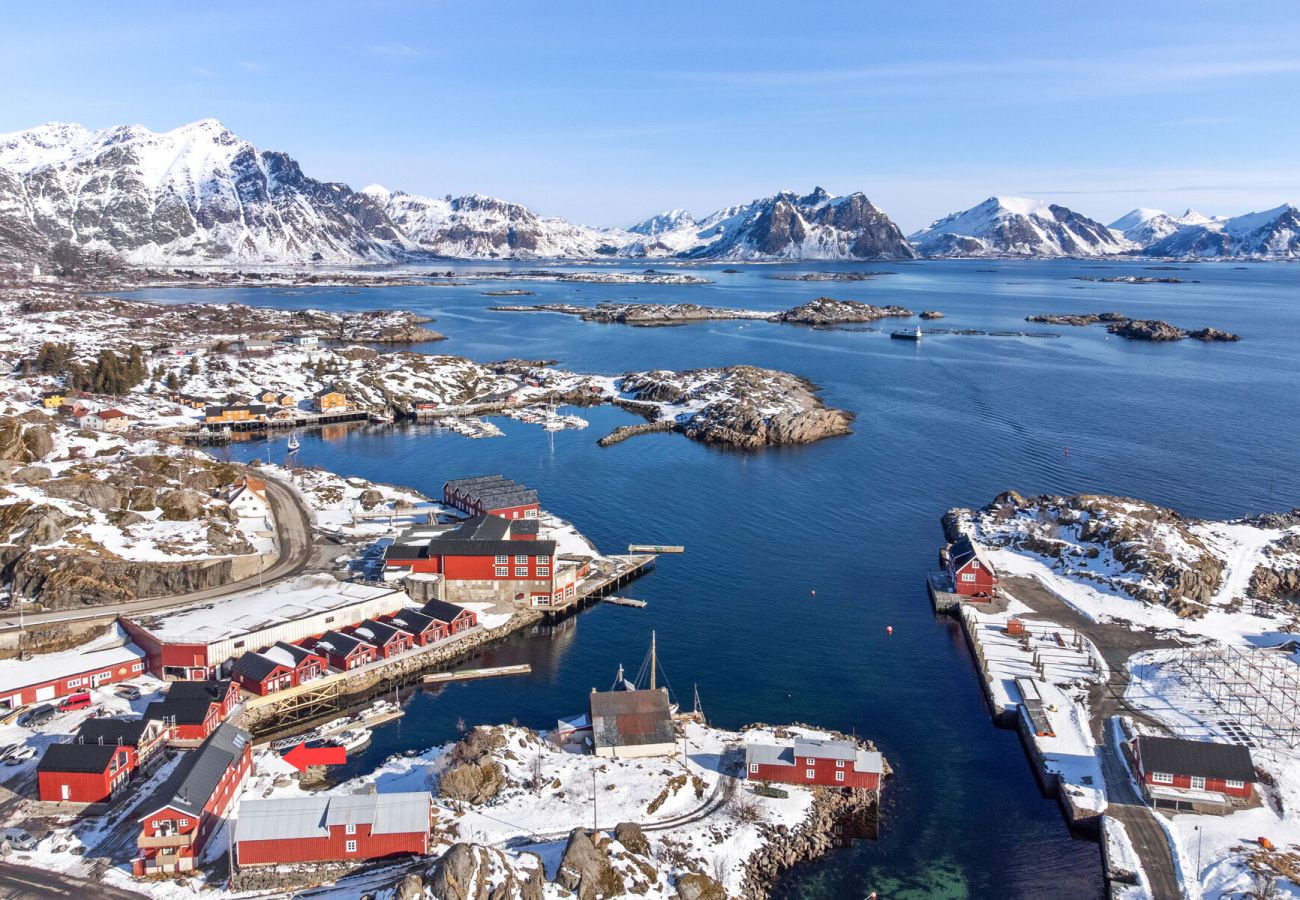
<point x="296" y="545"/>
<point x="25" y="883"/>
<point x="1116" y="644"/>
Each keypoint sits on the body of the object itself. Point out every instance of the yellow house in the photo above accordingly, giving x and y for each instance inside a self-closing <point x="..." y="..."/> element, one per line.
<point x="53" y="400"/>
<point x="330" y="401"/>
<point x="275" y="398"/>
<point x="243" y="413"/>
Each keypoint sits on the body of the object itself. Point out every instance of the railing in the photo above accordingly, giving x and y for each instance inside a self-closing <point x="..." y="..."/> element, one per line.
<point x="168" y="840"/>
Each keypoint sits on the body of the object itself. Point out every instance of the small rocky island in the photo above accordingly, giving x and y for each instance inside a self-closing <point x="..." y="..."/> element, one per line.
<point x="831" y="276"/>
<point x="823" y="311"/>
<point x="741" y="406"/>
<point x="826" y="311"/>
<point x="1155" y="330"/>
<point x="1132" y="279"/>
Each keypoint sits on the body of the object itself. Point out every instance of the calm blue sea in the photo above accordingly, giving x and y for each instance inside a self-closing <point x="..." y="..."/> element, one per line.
<point x="1206" y="429"/>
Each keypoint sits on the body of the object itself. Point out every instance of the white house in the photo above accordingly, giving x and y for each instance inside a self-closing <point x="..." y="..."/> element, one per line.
<point x="113" y="420"/>
<point x="305" y="340"/>
<point x="247" y="498"/>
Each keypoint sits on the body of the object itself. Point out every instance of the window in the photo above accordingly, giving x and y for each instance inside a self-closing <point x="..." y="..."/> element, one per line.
<point x="521" y="571"/>
<point x="753" y="767"/>
<point x="184" y="823"/>
<point x="503" y="571"/>
<point x="351" y="829"/>
<point x="137" y="667"/>
<point x="839" y="763"/>
<point x="238" y="644"/>
<point x="521" y="559"/>
<point x="502" y="559"/>
<point x="975" y="564"/>
<point x="1198" y="783"/>
<point x="967" y="576"/>
<point x="810" y="774"/>
<point x="543" y="571"/>
<point x="154" y="824"/>
<point x="1234" y="783"/>
<point x="530" y="514"/>
<point x="1161" y="778"/>
<point x="839" y="776"/>
<point x="351" y="847"/>
<point x="515" y="514"/>
<point x="329" y="619"/>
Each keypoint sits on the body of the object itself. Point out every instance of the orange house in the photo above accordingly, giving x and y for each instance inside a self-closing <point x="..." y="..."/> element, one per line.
<point x="329" y="400"/>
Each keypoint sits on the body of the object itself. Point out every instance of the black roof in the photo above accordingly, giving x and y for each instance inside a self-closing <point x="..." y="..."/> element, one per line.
<point x="442" y="610"/>
<point x="298" y="653"/>
<point x="407" y="551"/>
<point x="254" y="665"/>
<point x="481" y="527"/>
<point x="110" y="731"/>
<point x="209" y="690"/>
<point x="457" y="484"/>
<point x="451" y="547"/>
<point x="383" y="633"/>
<point x="1177" y="756"/>
<point x="77" y="757"/>
<point x="480" y="535"/>
<point x="963" y="550"/>
<point x="180" y="710"/>
<point x="525" y="526"/>
<point x="413" y="620"/>
<point x="195" y="780"/>
<point x="343" y="644"/>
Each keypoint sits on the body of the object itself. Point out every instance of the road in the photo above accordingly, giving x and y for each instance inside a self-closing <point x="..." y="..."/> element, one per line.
<point x="25" y="883"/>
<point x="1123" y="802"/>
<point x="296" y="548"/>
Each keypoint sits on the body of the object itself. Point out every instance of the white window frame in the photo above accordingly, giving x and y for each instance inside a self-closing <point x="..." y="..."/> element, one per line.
<point x="1162" y="778"/>
<point x="1198" y="782"/>
<point x="839" y="763"/>
<point x="521" y="559"/>
<point x="350" y="847"/>
<point x="521" y="571"/>
<point x="967" y="576"/>
<point x="351" y="828"/>
<point x="810" y="773"/>
<point x="753" y="768"/>
<point x="182" y="823"/>
<point x="543" y="571"/>
<point x="975" y="564"/>
<point x="1234" y="783"/>
<point x="839" y="776"/>
<point x="503" y="571"/>
<point x="503" y="559"/>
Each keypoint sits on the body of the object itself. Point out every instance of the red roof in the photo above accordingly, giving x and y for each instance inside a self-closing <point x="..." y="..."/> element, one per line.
<point x="112" y="414"/>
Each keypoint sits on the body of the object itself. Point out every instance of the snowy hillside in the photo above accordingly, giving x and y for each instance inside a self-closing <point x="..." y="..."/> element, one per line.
<point x="483" y="227"/>
<point x="1144" y="227"/>
<point x="1274" y="233"/>
<point x="1013" y="226"/>
<point x="194" y="194"/>
<point x="783" y="226"/>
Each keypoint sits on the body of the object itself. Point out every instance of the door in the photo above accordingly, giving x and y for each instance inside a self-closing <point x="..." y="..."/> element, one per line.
<point x="44" y="693"/>
<point x="67" y="792"/>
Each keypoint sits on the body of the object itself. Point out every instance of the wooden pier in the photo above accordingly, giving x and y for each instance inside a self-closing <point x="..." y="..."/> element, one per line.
<point x="655" y="548"/>
<point x="472" y="674"/>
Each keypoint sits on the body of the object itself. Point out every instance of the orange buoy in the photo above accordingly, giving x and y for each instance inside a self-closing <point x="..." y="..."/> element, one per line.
<point x="889" y="629"/>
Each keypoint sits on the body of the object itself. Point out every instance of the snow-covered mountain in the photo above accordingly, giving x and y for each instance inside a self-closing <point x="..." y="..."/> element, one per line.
<point x="1145" y="226"/>
<point x="1274" y="233"/>
<point x="479" y="227"/>
<point x="197" y="193"/>
<point x="1012" y="226"/>
<point x="783" y="226"/>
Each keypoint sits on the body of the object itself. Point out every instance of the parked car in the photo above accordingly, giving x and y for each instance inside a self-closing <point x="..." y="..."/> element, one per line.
<point x="37" y="715"/>
<point x="79" y="700"/>
<point x="128" y="692"/>
<point x="18" y="839"/>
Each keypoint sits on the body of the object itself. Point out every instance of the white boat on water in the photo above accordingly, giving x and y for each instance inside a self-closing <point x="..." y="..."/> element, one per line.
<point x="293" y="444"/>
<point x="353" y="738"/>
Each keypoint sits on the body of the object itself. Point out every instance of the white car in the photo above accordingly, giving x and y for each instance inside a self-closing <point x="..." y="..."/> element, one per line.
<point x="18" y="839"/>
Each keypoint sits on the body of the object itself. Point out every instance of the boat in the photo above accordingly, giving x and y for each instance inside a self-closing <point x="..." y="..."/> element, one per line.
<point x="382" y="418"/>
<point x="20" y="756"/>
<point x="293" y="444"/>
<point x="353" y="738"/>
<point x="648" y="672"/>
<point x="905" y="335"/>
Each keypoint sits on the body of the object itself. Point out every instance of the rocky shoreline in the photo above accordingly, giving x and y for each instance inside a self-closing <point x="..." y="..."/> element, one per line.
<point x="821" y="312"/>
<point x="1155" y="330"/>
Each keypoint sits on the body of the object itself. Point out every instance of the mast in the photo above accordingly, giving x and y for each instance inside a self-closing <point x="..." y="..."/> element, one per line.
<point x="653" y="662"/>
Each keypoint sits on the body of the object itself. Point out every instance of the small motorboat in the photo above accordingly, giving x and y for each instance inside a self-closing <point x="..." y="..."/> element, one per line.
<point x="293" y="444"/>
<point x="905" y="335"/>
<point x="353" y="738"/>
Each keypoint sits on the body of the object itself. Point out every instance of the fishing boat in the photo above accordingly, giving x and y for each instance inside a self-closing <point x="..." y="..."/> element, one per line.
<point x="353" y="738"/>
<point x="905" y="335"/>
<point x="293" y="444"/>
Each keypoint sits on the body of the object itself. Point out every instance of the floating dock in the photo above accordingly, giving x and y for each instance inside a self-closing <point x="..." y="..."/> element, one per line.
<point x="655" y="548"/>
<point x="472" y="674"/>
<point x="625" y="601"/>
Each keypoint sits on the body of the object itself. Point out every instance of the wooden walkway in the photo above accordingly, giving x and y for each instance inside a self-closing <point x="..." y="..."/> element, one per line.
<point x="471" y="674"/>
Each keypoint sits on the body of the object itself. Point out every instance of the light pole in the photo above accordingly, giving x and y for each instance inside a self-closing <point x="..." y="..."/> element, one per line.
<point x="593" y="803"/>
<point x="1199" y="835"/>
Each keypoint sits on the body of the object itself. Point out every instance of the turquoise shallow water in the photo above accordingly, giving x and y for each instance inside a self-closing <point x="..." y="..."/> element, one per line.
<point x="1207" y="429"/>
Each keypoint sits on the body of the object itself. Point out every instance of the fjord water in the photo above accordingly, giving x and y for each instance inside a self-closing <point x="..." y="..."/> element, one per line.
<point x="1206" y="429"/>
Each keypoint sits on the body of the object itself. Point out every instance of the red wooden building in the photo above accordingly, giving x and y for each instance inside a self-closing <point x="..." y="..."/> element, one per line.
<point x="492" y="495"/>
<point x="276" y="668"/>
<point x="332" y="828"/>
<point x="344" y="651"/>
<point x="177" y="820"/>
<point x="192" y="710"/>
<point x="809" y="761"/>
<point x="453" y="619"/>
<point x="1194" y="776"/>
<point x="388" y="640"/>
<point x="101" y="759"/>
<point x="485" y="557"/>
<point x="49" y="676"/>
<point x="971" y="573"/>
<point x="423" y="629"/>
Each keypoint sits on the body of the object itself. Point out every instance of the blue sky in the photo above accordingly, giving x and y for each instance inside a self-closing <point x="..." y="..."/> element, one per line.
<point x="607" y="112"/>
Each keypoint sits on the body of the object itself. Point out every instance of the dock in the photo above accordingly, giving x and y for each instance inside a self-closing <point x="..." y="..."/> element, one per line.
<point x="625" y="601"/>
<point x="655" y="548"/>
<point x="472" y="674"/>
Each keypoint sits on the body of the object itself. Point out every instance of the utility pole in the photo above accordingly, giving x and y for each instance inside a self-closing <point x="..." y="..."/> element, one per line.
<point x="593" y="802"/>
<point x="1199" y="835"/>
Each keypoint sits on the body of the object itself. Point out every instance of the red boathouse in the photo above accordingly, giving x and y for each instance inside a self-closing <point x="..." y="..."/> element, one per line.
<point x="971" y="573"/>
<point x="809" y="761"/>
<point x="332" y="828"/>
<point x="1194" y="776"/>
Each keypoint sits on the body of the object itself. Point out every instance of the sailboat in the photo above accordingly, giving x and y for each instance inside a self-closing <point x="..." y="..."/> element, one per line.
<point x="293" y="444"/>
<point x="648" y="672"/>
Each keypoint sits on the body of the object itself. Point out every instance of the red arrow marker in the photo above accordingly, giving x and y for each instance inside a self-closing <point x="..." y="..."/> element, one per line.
<point x="302" y="756"/>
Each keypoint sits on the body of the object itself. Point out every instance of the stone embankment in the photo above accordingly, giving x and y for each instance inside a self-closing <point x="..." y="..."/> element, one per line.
<point x="623" y="432"/>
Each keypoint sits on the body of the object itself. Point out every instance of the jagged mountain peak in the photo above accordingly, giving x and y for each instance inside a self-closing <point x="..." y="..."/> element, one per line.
<point x="1017" y="226"/>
